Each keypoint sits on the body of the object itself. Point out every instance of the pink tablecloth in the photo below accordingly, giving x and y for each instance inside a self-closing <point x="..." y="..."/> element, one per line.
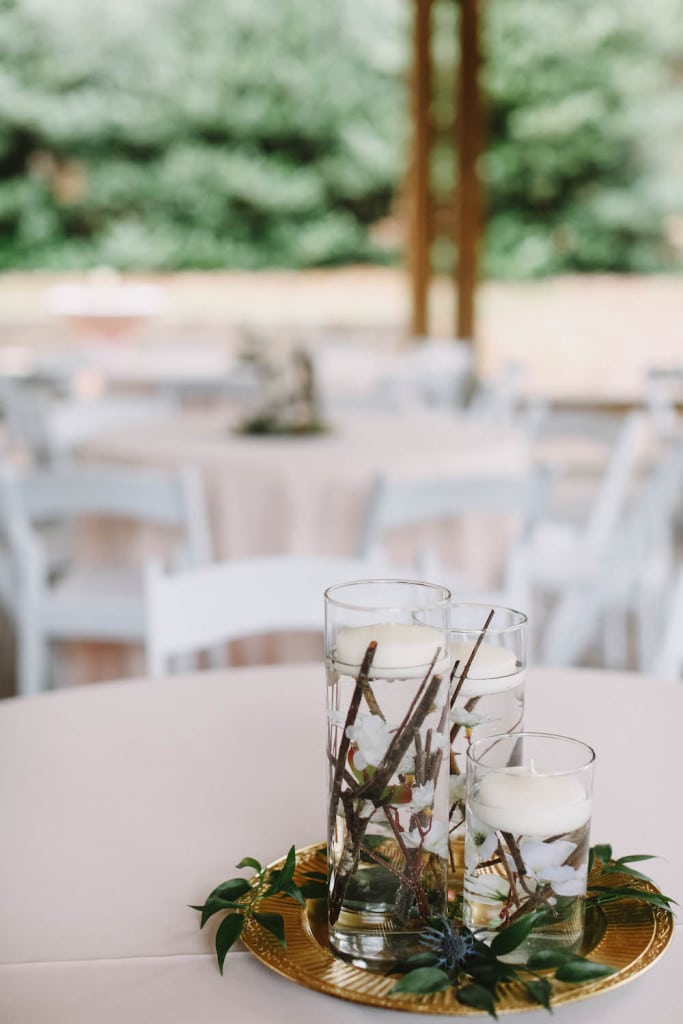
<point x="307" y="495"/>
<point x="123" y="803"/>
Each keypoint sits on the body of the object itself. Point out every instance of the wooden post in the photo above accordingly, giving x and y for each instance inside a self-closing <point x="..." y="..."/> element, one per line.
<point x="468" y="198"/>
<point x="420" y="205"/>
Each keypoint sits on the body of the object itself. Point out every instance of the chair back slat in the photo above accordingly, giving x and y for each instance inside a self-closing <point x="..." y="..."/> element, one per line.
<point x="198" y="609"/>
<point x="76" y="601"/>
<point x="395" y="503"/>
<point x="144" y="495"/>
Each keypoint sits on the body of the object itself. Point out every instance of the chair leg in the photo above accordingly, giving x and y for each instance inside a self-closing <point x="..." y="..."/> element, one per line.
<point x="56" y="666"/>
<point x="31" y="662"/>
<point x="570" y="627"/>
<point x="185" y="663"/>
<point x="218" y="657"/>
<point x="614" y="637"/>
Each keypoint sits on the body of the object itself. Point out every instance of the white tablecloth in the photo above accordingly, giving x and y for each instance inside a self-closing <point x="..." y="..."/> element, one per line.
<point x="122" y="803"/>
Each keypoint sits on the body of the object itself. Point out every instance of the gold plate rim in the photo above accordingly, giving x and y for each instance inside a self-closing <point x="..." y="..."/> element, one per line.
<point x="630" y="936"/>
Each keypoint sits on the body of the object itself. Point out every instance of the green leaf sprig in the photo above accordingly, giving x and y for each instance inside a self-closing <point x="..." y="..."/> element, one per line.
<point x="475" y="977"/>
<point x="241" y="897"/>
<point x="601" y="857"/>
<point x="453" y="956"/>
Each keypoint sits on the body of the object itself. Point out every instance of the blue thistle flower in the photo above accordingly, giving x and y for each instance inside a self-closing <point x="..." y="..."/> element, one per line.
<point x="453" y="944"/>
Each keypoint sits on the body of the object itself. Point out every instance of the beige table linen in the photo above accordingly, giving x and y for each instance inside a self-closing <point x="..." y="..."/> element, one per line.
<point x="307" y="495"/>
<point x="189" y="990"/>
<point x="122" y="803"/>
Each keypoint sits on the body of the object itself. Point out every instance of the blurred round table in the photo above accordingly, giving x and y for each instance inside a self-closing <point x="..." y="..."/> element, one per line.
<point x="307" y="495"/>
<point x="304" y="495"/>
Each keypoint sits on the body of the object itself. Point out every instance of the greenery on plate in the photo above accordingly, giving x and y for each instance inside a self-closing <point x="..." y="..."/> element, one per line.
<point x="452" y="955"/>
<point x="240" y="897"/>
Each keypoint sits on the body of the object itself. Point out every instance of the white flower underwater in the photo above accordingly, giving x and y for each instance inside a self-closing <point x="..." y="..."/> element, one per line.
<point x="487" y="846"/>
<point x="545" y="863"/>
<point x="372" y="737"/>
<point x="422" y="797"/>
<point x="335" y="717"/>
<point x="434" y="841"/>
<point x="537" y="855"/>
<point x="567" y="881"/>
<point x="487" y="887"/>
<point x="439" y="742"/>
<point x="456" y="788"/>
<point x="468" y="719"/>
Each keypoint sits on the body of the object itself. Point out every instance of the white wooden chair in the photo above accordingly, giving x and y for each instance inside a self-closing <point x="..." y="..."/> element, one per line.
<point x="352" y="377"/>
<point x="668" y="657"/>
<point x="502" y="399"/>
<point x="49" y="427"/>
<point x="594" y="455"/>
<point x="648" y="542"/>
<point x="100" y="601"/>
<point x="397" y="503"/>
<point x="205" y="609"/>
<point x="663" y="393"/>
<point x="435" y="374"/>
<point x="576" y="533"/>
<point x="431" y="374"/>
<point x="616" y="597"/>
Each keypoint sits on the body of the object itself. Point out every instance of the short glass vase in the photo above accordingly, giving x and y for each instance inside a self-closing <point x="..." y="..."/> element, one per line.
<point x="529" y="799"/>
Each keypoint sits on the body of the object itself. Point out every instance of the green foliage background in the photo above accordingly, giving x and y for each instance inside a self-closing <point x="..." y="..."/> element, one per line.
<point x="163" y="135"/>
<point x="586" y="121"/>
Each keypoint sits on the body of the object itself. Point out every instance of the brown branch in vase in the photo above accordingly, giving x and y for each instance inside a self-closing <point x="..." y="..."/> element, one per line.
<point x="361" y="799"/>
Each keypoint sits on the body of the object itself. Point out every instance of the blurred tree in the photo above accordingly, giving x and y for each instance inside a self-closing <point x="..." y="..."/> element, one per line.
<point x="168" y="135"/>
<point x="586" y="134"/>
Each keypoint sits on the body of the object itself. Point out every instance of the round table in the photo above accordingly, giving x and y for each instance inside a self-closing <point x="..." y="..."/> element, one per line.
<point x="123" y="803"/>
<point x="307" y="495"/>
<point x="304" y="495"/>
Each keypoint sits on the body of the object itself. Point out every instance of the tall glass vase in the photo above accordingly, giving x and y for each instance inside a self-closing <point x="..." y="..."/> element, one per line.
<point x="387" y="748"/>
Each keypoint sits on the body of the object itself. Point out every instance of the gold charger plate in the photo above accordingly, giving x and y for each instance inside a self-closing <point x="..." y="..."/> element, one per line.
<point x="627" y="935"/>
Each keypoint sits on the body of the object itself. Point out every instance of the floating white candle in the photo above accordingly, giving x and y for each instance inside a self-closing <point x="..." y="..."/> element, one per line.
<point x="528" y="803"/>
<point x="494" y="669"/>
<point x="403" y="650"/>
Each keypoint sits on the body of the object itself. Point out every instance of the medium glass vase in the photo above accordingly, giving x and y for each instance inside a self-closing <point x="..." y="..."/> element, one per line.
<point x="488" y="647"/>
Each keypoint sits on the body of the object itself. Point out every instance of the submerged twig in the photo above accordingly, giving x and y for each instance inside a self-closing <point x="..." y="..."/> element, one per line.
<point x="345" y="741"/>
<point x="468" y="664"/>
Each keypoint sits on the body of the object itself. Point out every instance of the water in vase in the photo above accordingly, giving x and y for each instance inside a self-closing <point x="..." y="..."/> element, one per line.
<point x="526" y="849"/>
<point x="387" y="825"/>
<point x="484" y="705"/>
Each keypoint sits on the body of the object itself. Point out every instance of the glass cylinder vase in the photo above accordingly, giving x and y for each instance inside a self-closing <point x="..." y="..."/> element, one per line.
<point x="488" y="645"/>
<point x="386" y="645"/>
<point x="529" y="798"/>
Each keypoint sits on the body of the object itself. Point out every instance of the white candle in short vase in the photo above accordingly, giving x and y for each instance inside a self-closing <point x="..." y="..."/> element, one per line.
<point x="493" y="670"/>
<point x="403" y="650"/>
<point x="528" y="803"/>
